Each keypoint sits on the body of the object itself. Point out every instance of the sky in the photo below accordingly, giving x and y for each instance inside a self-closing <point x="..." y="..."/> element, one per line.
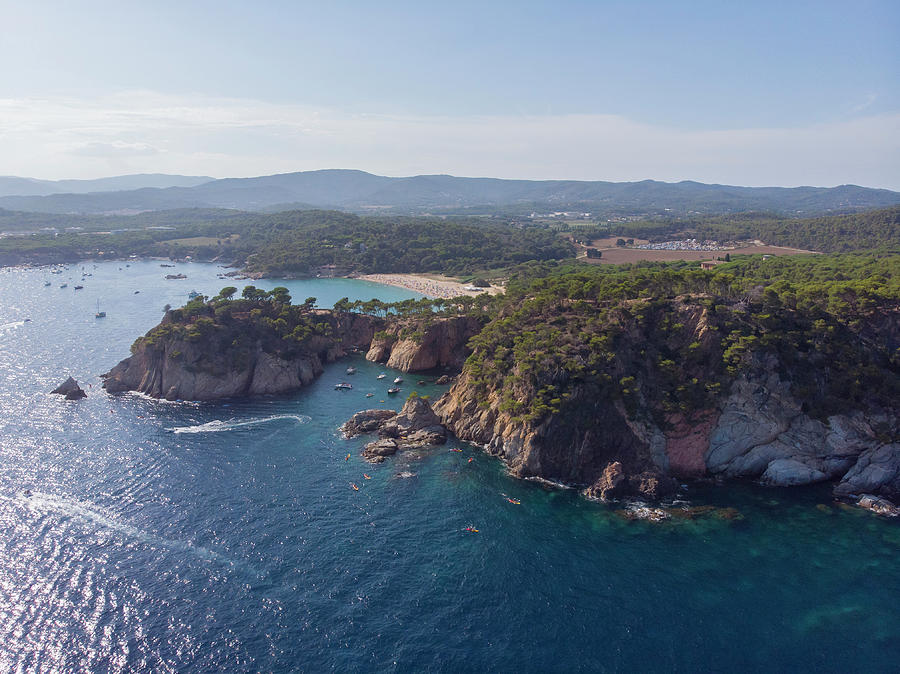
<point x="751" y="93"/>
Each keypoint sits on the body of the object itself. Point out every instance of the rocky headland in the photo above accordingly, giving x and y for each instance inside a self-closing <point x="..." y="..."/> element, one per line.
<point x="622" y="399"/>
<point x="659" y="398"/>
<point x="260" y="345"/>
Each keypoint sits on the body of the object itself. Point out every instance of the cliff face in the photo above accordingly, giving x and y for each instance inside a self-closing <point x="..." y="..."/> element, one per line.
<point x="753" y="424"/>
<point x="756" y="431"/>
<point x="623" y="404"/>
<point x="186" y="367"/>
<point x="415" y="346"/>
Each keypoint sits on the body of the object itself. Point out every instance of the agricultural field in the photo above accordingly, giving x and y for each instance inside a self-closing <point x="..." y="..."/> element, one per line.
<point x="612" y="254"/>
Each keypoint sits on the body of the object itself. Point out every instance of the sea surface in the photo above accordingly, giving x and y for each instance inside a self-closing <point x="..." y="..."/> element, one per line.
<point x="227" y="536"/>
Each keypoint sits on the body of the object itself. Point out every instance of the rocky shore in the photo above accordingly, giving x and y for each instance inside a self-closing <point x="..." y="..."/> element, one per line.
<point x="756" y="429"/>
<point x="177" y="362"/>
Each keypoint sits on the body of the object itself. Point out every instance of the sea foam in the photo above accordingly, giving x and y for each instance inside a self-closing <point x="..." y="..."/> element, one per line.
<point x="217" y="425"/>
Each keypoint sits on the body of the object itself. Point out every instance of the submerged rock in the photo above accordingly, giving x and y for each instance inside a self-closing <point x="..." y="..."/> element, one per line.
<point x="70" y="389"/>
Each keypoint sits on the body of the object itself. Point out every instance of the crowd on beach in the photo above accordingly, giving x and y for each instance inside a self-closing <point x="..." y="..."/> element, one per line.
<point x="426" y="286"/>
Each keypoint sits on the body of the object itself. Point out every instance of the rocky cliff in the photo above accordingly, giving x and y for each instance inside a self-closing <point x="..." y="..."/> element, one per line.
<point x="617" y="429"/>
<point x="222" y="349"/>
<point x="413" y="346"/>
<point x="237" y="357"/>
<point x="621" y="398"/>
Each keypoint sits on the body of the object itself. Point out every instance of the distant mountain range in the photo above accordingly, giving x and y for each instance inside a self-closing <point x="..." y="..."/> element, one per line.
<point x="359" y="191"/>
<point x="31" y="187"/>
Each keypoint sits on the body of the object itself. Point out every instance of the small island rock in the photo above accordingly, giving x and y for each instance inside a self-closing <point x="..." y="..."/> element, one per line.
<point x="367" y="421"/>
<point x="415" y="426"/>
<point x="70" y="389"/>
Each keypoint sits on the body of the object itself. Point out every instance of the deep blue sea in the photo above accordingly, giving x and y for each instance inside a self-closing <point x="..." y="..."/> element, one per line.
<point x="226" y="536"/>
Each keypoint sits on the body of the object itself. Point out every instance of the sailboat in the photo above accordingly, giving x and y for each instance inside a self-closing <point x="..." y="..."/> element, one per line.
<point x="99" y="314"/>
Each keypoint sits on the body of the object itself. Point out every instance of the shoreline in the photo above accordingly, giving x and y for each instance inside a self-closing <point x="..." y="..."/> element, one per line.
<point x="430" y="286"/>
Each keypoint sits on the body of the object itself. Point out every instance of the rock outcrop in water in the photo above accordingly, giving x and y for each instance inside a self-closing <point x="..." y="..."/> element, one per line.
<point x="70" y="389"/>
<point x="416" y="425"/>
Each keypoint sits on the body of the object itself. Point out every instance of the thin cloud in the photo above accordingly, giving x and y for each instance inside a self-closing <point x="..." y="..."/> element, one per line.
<point x="151" y="132"/>
<point x="114" y="149"/>
<point x="867" y="103"/>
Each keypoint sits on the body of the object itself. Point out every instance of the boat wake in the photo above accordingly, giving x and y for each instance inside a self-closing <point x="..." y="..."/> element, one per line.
<point x="217" y="426"/>
<point x="74" y="510"/>
<point x="9" y="326"/>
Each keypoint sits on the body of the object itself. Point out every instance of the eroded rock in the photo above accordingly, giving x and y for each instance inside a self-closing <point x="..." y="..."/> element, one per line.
<point x="367" y="421"/>
<point x="415" y="426"/>
<point x="878" y="505"/>
<point x="376" y="451"/>
<point x="877" y="471"/>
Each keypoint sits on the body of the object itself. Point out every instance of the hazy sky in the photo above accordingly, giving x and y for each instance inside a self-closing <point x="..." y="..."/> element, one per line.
<point x="752" y="93"/>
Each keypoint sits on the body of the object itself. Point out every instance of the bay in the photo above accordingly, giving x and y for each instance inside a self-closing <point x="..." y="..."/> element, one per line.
<point x="227" y="536"/>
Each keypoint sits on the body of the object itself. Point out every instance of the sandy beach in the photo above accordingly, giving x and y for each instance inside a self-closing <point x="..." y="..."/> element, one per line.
<point x="431" y="286"/>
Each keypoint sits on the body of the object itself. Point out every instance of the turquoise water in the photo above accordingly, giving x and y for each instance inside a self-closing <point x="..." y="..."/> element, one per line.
<point x="227" y="537"/>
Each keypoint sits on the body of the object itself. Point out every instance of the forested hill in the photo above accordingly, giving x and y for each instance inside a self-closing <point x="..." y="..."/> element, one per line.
<point x="290" y="243"/>
<point x="304" y="240"/>
<point x="827" y="234"/>
<point x="361" y="192"/>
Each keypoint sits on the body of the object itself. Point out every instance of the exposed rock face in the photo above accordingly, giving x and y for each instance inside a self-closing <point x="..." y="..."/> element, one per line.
<point x="179" y="368"/>
<point x="612" y="484"/>
<point x="758" y="431"/>
<point x="686" y="442"/>
<point x="415" y="426"/>
<point x="70" y="389"/>
<point x="375" y="452"/>
<point x="876" y="471"/>
<point x="878" y="505"/>
<point x="442" y="343"/>
<point x="367" y="421"/>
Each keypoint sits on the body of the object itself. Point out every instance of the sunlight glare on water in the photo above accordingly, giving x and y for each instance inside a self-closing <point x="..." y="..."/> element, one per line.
<point x="143" y="535"/>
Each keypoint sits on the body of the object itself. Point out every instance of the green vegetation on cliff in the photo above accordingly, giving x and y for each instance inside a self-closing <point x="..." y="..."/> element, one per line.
<point x="237" y="325"/>
<point x="670" y="338"/>
<point x="270" y="318"/>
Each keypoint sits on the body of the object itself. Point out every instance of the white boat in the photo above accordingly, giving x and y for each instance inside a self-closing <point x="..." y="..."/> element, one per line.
<point x="351" y="370"/>
<point x="381" y="376"/>
<point x="392" y="391"/>
<point x="398" y="380"/>
<point x="343" y="385"/>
